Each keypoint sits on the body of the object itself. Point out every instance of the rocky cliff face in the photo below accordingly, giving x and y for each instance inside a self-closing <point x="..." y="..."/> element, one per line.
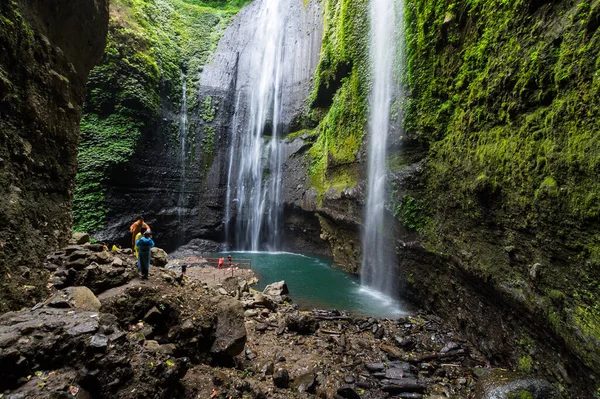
<point x="47" y="51"/>
<point x="493" y="163"/>
<point x="152" y="163"/>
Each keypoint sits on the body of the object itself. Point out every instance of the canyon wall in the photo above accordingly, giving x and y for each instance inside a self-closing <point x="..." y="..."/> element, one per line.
<point x="47" y="50"/>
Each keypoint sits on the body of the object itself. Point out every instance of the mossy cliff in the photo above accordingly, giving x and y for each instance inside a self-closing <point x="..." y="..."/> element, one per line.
<point x="132" y="126"/>
<point x="505" y="100"/>
<point x="496" y="187"/>
<point x="47" y="51"/>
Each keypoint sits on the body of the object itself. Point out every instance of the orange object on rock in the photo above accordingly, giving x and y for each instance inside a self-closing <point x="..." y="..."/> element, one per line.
<point x="137" y="228"/>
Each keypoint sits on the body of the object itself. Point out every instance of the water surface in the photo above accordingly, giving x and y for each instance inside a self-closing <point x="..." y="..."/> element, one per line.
<point x="314" y="283"/>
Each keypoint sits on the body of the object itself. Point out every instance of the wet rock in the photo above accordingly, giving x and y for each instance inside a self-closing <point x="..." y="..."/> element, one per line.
<point x="502" y="384"/>
<point x="375" y="367"/>
<point x="305" y="382"/>
<point x="117" y="262"/>
<point x="251" y="313"/>
<point x="222" y="291"/>
<point x="302" y="323"/>
<point x="75" y="297"/>
<point x="378" y="334"/>
<point x="230" y="333"/>
<point x="159" y="257"/>
<point x="347" y="393"/>
<point x="99" y="341"/>
<point x="281" y="379"/>
<point x="81" y="238"/>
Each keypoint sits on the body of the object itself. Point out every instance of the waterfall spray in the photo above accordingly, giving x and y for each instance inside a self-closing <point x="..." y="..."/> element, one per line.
<point x="183" y="128"/>
<point x="377" y="261"/>
<point x="258" y="181"/>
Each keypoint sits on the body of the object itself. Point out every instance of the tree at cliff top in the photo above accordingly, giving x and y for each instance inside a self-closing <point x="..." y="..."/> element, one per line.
<point x="150" y="43"/>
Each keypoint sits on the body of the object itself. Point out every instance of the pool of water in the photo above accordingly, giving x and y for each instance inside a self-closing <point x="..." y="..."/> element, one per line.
<point x="314" y="283"/>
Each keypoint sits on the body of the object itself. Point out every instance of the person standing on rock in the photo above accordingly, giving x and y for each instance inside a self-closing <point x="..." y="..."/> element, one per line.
<point x="136" y="228"/>
<point x="145" y="245"/>
<point x="135" y="248"/>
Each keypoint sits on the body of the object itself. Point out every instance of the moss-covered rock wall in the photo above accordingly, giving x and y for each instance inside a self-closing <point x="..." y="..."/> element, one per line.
<point x="130" y="158"/>
<point x="495" y="186"/>
<point x="47" y="50"/>
<point x="506" y="97"/>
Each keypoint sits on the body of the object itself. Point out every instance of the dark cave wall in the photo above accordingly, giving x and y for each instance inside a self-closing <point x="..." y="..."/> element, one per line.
<point x="47" y="50"/>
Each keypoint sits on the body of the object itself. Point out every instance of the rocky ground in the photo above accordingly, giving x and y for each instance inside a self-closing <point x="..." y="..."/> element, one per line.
<point x="106" y="333"/>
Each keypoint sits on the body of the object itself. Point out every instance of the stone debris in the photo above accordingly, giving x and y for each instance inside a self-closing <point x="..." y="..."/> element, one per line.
<point x="218" y="340"/>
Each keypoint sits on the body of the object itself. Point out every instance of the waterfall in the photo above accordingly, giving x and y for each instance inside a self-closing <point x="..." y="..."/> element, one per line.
<point x="183" y="128"/>
<point x="377" y="260"/>
<point x="257" y="183"/>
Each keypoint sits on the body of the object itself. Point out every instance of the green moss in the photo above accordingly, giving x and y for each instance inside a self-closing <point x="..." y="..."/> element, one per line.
<point x="410" y="212"/>
<point x="340" y="90"/>
<point x="525" y="364"/>
<point x="294" y="135"/>
<point x="150" y="43"/>
<point x="207" y="110"/>
<point x="506" y="96"/>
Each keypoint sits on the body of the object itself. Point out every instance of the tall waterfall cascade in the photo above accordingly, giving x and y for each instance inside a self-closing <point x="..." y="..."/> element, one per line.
<point x="386" y="43"/>
<point x="183" y="129"/>
<point x="258" y="198"/>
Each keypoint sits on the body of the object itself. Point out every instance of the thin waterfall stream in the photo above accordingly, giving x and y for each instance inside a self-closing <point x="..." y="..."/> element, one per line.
<point x="377" y="257"/>
<point x="183" y="128"/>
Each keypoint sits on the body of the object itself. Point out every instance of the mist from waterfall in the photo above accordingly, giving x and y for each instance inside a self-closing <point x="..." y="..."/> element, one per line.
<point x="377" y="269"/>
<point x="183" y="129"/>
<point x="256" y="187"/>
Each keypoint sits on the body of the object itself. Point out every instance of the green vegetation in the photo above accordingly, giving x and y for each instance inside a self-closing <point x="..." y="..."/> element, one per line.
<point x="506" y="96"/>
<point x="340" y="91"/>
<point x="150" y="43"/>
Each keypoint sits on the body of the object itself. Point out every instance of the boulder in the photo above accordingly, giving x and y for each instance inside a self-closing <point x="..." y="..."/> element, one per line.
<point x="502" y="384"/>
<point x="81" y="238"/>
<point x="103" y="257"/>
<point x="75" y="297"/>
<point x="230" y="333"/>
<point x="305" y="382"/>
<point x="281" y="379"/>
<point x="159" y="257"/>
<point x="302" y="323"/>
<point x="259" y="300"/>
<point x="276" y="289"/>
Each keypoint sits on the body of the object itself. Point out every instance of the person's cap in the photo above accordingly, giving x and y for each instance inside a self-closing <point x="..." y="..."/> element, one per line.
<point x="147" y="233"/>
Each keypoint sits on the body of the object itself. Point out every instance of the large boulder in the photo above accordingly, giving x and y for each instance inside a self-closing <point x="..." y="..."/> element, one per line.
<point x="278" y="291"/>
<point x="75" y="297"/>
<point x="80" y="238"/>
<point x="502" y="384"/>
<point x="159" y="257"/>
<point x="230" y="334"/>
